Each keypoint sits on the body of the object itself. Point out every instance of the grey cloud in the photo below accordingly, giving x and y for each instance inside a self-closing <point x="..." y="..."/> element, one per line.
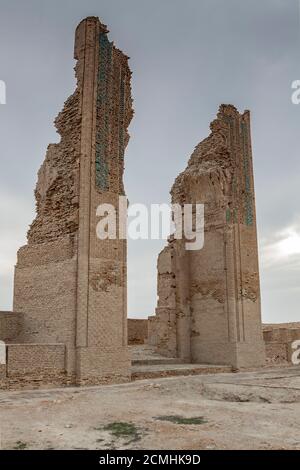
<point x="187" y="58"/>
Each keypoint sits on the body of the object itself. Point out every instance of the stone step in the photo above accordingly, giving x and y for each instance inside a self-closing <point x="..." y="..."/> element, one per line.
<point x="156" y="360"/>
<point x="145" y="355"/>
<point x="139" y="372"/>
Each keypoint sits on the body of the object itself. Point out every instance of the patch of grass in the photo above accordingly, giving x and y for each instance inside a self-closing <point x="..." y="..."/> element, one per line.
<point x="19" y="445"/>
<point x="177" y="419"/>
<point x="123" y="430"/>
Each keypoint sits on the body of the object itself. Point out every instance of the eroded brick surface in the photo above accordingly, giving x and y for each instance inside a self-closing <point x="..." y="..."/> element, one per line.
<point x="69" y="285"/>
<point x="209" y="300"/>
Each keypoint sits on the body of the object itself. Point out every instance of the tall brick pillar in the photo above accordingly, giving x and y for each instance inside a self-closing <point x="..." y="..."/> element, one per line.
<point x="71" y="285"/>
<point x="224" y="275"/>
<point x="209" y="299"/>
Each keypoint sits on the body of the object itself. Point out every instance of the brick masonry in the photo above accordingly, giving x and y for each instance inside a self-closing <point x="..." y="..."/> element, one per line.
<point x="11" y="325"/>
<point x="279" y="339"/>
<point x="137" y="331"/>
<point x="70" y="286"/>
<point x="33" y="365"/>
<point x="208" y="307"/>
<point x="35" y="358"/>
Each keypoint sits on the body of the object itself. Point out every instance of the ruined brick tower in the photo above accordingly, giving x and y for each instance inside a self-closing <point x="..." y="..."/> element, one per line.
<point x="70" y="285"/>
<point x="209" y="300"/>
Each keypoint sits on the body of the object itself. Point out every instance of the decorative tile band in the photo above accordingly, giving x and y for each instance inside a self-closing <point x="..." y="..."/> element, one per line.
<point x="121" y="119"/>
<point x="103" y="103"/>
<point x="231" y="212"/>
<point x="111" y="101"/>
<point x="247" y="179"/>
<point x="248" y="197"/>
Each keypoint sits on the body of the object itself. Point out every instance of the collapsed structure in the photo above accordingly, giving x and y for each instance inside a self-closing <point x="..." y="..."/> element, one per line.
<point x="70" y="287"/>
<point x="69" y="324"/>
<point x="209" y="300"/>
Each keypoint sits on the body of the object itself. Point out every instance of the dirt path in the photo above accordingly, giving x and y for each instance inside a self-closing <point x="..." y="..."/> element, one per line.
<point x="253" y="410"/>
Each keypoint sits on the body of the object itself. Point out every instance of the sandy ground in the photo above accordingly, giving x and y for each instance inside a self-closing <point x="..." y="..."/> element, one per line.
<point x="250" y="410"/>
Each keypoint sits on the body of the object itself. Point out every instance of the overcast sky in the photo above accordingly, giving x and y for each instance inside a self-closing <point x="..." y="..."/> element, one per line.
<point x="187" y="57"/>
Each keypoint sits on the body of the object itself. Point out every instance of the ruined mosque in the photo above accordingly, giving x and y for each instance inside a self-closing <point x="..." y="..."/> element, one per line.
<point x="69" y="321"/>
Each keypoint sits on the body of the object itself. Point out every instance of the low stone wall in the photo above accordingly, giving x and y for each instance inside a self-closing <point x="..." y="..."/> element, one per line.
<point x="35" y="358"/>
<point x="137" y="331"/>
<point x="34" y="365"/>
<point x="36" y="381"/>
<point x="11" y="324"/>
<point x="2" y="371"/>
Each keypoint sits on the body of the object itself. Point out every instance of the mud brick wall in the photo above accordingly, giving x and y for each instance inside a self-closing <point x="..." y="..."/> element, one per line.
<point x="45" y="290"/>
<point x="153" y="322"/>
<point x="137" y="331"/>
<point x="2" y="371"/>
<point x="71" y="285"/>
<point x="209" y="299"/>
<point x="11" y="325"/>
<point x="101" y="318"/>
<point x="35" y="359"/>
<point x="162" y="327"/>
<point x="278" y="339"/>
<point x="277" y="353"/>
